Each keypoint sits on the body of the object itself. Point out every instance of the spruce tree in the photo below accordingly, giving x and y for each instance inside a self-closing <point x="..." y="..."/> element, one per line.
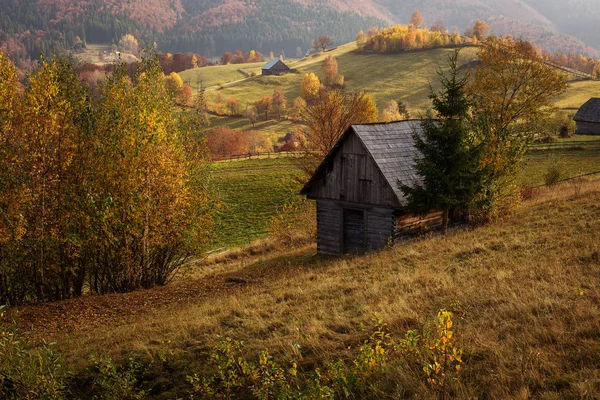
<point x="448" y="161"/>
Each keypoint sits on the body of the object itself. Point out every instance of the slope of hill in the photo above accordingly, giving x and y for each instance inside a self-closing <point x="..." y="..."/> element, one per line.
<point x="210" y="27"/>
<point x="404" y="76"/>
<point x="524" y="291"/>
<point x="387" y="77"/>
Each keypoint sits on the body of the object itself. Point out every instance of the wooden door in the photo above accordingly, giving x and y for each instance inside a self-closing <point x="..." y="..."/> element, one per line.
<point x="354" y="231"/>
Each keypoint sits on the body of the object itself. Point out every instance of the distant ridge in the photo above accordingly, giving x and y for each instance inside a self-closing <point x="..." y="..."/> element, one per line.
<point x="210" y="27"/>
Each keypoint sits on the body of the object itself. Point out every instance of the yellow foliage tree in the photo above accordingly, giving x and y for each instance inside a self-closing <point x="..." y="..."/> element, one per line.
<point x="174" y="85"/>
<point x="513" y="93"/>
<point x="128" y="43"/>
<point x="310" y="86"/>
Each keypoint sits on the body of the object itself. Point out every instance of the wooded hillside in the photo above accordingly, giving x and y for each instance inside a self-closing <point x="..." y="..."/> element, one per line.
<point x="211" y="27"/>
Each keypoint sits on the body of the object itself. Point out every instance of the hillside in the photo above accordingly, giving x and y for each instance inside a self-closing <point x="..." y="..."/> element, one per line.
<point x="210" y="27"/>
<point x="395" y="76"/>
<point x="524" y="291"/>
<point x="404" y="76"/>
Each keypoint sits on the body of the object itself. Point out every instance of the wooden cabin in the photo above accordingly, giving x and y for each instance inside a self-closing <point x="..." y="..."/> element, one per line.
<point x="588" y="118"/>
<point x="359" y="203"/>
<point x="275" y="67"/>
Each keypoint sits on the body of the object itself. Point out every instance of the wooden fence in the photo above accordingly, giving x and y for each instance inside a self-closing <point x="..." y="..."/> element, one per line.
<point x="257" y="155"/>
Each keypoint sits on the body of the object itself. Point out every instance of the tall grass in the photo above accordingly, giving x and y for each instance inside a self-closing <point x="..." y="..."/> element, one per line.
<point x="525" y="292"/>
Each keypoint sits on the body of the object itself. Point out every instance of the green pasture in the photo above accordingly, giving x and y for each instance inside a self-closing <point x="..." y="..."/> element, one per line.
<point x="251" y="191"/>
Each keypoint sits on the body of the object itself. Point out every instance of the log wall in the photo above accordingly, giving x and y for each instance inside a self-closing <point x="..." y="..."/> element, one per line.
<point x="587" y="128"/>
<point x="377" y="229"/>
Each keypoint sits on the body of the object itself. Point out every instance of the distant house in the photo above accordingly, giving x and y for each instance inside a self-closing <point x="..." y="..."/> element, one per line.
<point x="359" y="204"/>
<point x="275" y="67"/>
<point x="588" y="117"/>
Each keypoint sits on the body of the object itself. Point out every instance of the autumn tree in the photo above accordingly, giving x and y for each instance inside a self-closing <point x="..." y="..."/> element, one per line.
<point x="174" y="85"/>
<point x="258" y="142"/>
<point x="330" y="68"/>
<point x="322" y="42"/>
<point x="279" y="102"/>
<point x="295" y="112"/>
<point x="416" y="19"/>
<point x="233" y="107"/>
<point x="150" y="214"/>
<point x="448" y="163"/>
<point x="44" y="161"/>
<point x="251" y="114"/>
<point x="224" y="141"/>
<point x="480" y="30"/>
<point x="310" y="86"/>
<point x="513" y="91"/>
<point x="360" y="40"/>
<point x="326" y="117"/>
<point x="253" y="56"/>
<point x="264" y="105"/>
<point x="129" y="44"/>
<point x="391" y="112"/>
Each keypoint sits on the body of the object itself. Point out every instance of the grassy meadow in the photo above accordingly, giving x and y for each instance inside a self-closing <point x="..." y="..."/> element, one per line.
<point x="577" y="94"/>
<point x="399" y="76"/>
<point x="251" y="192"/>
<point x="524" y="290"/>
<point x="404" y="77"/>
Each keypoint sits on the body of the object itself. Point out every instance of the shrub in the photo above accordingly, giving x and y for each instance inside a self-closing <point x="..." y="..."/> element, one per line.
<point x="554" y="172"/>
<point x="363" y="376"/>
<point x="114" y="382"/>
<point x="28" y="372"/>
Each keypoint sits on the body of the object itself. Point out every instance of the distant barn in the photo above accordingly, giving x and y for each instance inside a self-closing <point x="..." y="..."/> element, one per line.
<point x="275" y="67"/>
<point x="359" y="204"/>
<point x="588" y="117"/>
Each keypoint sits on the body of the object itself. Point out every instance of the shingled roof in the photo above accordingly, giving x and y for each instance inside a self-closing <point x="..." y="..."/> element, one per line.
<point x="589" y="112"/>
<point x="273" y="63"/>
<point x="392" y="147"/>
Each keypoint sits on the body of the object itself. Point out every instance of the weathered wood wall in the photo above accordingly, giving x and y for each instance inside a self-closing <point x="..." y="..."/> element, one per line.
<point x="408" y="225"/>
<point x="587" y="128"/>
<point x="329" y="228"/>
<point x="333" y="238"/>
<point x="353" y="176"/>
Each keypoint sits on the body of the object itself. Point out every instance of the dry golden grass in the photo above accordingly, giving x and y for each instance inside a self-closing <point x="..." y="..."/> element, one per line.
<point x="525" y="291"/>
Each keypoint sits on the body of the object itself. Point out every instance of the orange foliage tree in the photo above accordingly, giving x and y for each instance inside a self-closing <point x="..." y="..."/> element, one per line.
<point x="310" y="86"/>
<point x="264" y="105"/>
<point x="416" y="19"/>
<point x="224" y="141"/>
<point x="279" y="102"/>
<point x="326" y="117"/>
<point x="233" y="107"/>
<point x="480" y="30"/>
<point x="330" y="68"/>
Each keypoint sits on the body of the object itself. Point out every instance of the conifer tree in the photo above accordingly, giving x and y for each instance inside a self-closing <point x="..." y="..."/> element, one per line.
<point x="448" y="160"/>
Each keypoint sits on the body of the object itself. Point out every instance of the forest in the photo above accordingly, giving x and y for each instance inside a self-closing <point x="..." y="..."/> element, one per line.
<point x="25" y="32"/>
